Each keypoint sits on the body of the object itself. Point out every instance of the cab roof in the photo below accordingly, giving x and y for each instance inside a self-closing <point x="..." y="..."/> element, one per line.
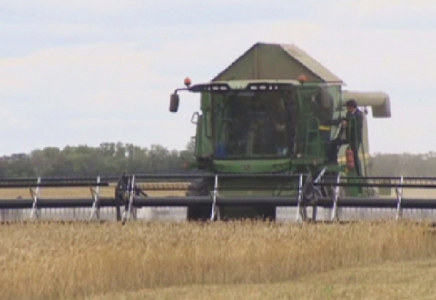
<point x="264" y="61"/>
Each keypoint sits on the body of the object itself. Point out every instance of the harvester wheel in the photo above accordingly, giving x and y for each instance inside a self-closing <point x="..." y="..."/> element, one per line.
<point x="200" y="212"/>
<point x="261" y="213"/>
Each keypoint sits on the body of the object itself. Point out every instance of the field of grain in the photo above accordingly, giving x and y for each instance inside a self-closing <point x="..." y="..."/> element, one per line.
<point x="391" y="280"/>
<point x="61" y="261"/>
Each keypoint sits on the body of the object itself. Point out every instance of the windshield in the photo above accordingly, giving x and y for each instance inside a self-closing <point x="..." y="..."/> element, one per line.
<point x="254" y="124"/>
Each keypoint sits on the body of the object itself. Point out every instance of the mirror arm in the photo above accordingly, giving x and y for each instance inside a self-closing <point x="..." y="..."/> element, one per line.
<point x="180" y="89"/>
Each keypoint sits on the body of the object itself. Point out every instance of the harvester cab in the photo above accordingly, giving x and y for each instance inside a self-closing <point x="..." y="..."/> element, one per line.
<point x="272" y="123"/>
<point x="259" y="120"/>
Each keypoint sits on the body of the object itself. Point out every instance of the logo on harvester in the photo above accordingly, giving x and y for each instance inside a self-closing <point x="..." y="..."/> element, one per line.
<point x="247" y="167"/>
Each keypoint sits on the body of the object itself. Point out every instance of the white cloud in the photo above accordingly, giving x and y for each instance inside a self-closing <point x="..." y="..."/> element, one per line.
<point x="92" y="6"/>
<point x="383" y="6"/>
<point x="76" y="76"/>
<point x="118" y="90"/>
<point x="10" y="119"/>
<point x="411" y="130"/>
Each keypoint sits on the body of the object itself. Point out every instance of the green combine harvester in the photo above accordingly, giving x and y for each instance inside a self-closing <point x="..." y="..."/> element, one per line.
<point x="273" y="111"/>
<point x="268" y="136"/>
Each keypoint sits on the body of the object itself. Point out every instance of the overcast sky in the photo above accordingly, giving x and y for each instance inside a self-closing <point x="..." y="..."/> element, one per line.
<point x="87" y="72"/>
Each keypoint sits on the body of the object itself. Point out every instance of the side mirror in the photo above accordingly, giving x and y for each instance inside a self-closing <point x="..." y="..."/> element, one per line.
<point x="174" y="103"/>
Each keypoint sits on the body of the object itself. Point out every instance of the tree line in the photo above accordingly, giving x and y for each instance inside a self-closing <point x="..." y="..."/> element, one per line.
<point x="109" y="159"/>
<point x="405" y="164"/>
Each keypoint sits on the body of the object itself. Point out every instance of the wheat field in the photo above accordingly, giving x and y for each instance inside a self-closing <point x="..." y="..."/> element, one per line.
<point x="81" y="260"/>
<point x="391" y="280"/>
<point x="249" y="260"/>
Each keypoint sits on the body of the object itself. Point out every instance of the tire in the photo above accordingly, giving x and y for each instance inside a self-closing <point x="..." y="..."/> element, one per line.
<point x="199" y="212"/>
<point x="202" y="213"/>
<point x="259" y="212"/>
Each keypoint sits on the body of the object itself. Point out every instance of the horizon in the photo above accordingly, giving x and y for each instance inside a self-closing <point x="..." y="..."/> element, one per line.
<point x="148" y="147"/>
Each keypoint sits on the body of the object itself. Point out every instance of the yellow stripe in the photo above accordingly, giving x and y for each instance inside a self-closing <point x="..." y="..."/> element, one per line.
<point x="322" y="127"/>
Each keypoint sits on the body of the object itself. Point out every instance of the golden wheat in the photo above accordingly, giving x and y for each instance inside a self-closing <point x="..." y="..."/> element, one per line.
<point x="53" y="261"/>
<point x="392" y="280"/>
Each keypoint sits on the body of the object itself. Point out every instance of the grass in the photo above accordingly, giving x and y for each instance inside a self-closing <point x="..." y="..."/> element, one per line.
<point x="54" y="261"/>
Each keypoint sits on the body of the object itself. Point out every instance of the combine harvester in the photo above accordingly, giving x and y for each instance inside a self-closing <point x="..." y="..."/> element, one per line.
<point x="262" y="142"/>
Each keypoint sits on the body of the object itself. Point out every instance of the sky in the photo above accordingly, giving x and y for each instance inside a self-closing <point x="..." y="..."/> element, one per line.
<point x="87" y="72"/>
